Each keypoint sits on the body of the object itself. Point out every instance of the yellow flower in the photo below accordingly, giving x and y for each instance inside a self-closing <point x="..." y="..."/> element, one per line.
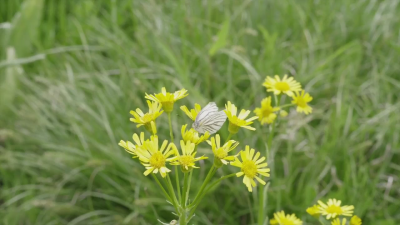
<point x="333" y="209"/>
<point x="235" y="122"/>
<point x="221" y="152"/>
<point x="355" y="220"/>
<point x="188" y="157"/>
<point x="154" y="158"/>
<point x="337" y="221"/>
<point x="193" y="112"/>
<point x="278" y="86"/>
<point x="167" y="99"/>
<point x="314" y="211"/>
<point x="301" y="100"/>
<point x="130" y="147"/>
<point x="193" y="136"/>
<point x="273" y="222"/>
<point x="266" y="113"/>
<point x="251" y="166"/>
<point x="281" y="219"/>
<point x="283" y="113"/>
<point x="146" y="119"/>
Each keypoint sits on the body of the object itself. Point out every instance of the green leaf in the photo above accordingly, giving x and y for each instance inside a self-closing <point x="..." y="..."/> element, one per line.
<point x="9" y="84"/>
<point x="25" y="26"/>
<point x="222" y="37"/>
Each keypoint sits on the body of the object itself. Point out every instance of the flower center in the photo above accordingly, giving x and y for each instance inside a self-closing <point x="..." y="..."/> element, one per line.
<point x="300" y="102"/>
<point x="148" y="117"/>
<point x="221" y="153"/>
<point x="186" y="160"/>
<point x="267" y="111"/>
<point x="334" y="209"/>
<point x="282" y="86"/>
<point x="157" y="160"/>
<point x="249" y="168"/>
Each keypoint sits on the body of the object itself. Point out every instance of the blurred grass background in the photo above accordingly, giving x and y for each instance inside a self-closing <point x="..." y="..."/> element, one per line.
<point x="70" y="71"/>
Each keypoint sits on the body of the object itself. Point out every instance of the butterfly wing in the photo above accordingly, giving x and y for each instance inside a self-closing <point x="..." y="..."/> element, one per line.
<point x="214" y="122"/>
<point x="209" y="119"/>
<point x="206" y="111"/>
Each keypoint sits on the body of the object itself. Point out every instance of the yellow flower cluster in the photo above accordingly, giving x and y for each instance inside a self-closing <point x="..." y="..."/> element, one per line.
<point x="333" y="210"/>
<point x="267" y="113"/>
<point x="156" y="158"/>
<point x="153" y="158"/>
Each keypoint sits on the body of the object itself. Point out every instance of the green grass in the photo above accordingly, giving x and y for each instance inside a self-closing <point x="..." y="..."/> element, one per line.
<point x="80" y="66"/>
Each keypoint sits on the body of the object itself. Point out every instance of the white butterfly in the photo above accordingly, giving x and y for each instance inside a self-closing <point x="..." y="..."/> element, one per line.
<point x="209" y="119"/>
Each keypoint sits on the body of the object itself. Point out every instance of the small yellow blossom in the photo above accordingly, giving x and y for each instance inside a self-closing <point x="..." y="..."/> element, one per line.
<point x="192" y="114"/>
<point x="221" y="152"/>
<point x="130" y="147"/>
<point x="266" y="113"/>
<point x="154" y="158"/>
<point x="188" y="158"/>
<point x="314" y="211"/>
<point x="333" y="209"/>
<point x="167" y="99"/>
<point x="278" y="86"/>
<point x="355" y="220"/>
<point x="301" y="100"/>
<point x="337" y="221"/>
<point x="281" y="219"/>
<point x="251" y="166"/>
<point x="283" y="113"/>
<point x="146" y="118"/>
<point x="235" y="122"/>
<point x="193" y="136"/>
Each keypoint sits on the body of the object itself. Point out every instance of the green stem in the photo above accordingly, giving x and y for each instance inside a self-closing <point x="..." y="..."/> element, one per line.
<point x="162" y="188"/>
<point x="261" y="198"/>
<point x="188" y="190"/>
<point x="209" y="175"/>
<point x="178" y="186"/>
<point x="219" y="180"/>
<point x="260" y="205"/>
<point x="193" y="208"/>
<point x="272" y="130"/>
<point x="271" y="135"/>
<point x="229" y="137"/>
<point x="182" y="219"/>
<point x="185" y="186"/>
<point x="286" y="105"/>
<point x="172" y="192"/>
<point x="171" y="133"/>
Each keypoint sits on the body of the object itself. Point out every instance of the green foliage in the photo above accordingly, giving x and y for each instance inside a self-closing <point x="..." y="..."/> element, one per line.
<point x="82" y="66"/>
<point x="222" y="37"/>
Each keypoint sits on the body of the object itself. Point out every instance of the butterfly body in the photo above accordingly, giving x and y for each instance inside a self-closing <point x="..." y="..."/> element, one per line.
<point x="209" y="119"/>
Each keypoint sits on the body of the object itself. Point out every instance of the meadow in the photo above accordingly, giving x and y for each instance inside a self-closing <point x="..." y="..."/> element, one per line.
<point x="71" y="70"/>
